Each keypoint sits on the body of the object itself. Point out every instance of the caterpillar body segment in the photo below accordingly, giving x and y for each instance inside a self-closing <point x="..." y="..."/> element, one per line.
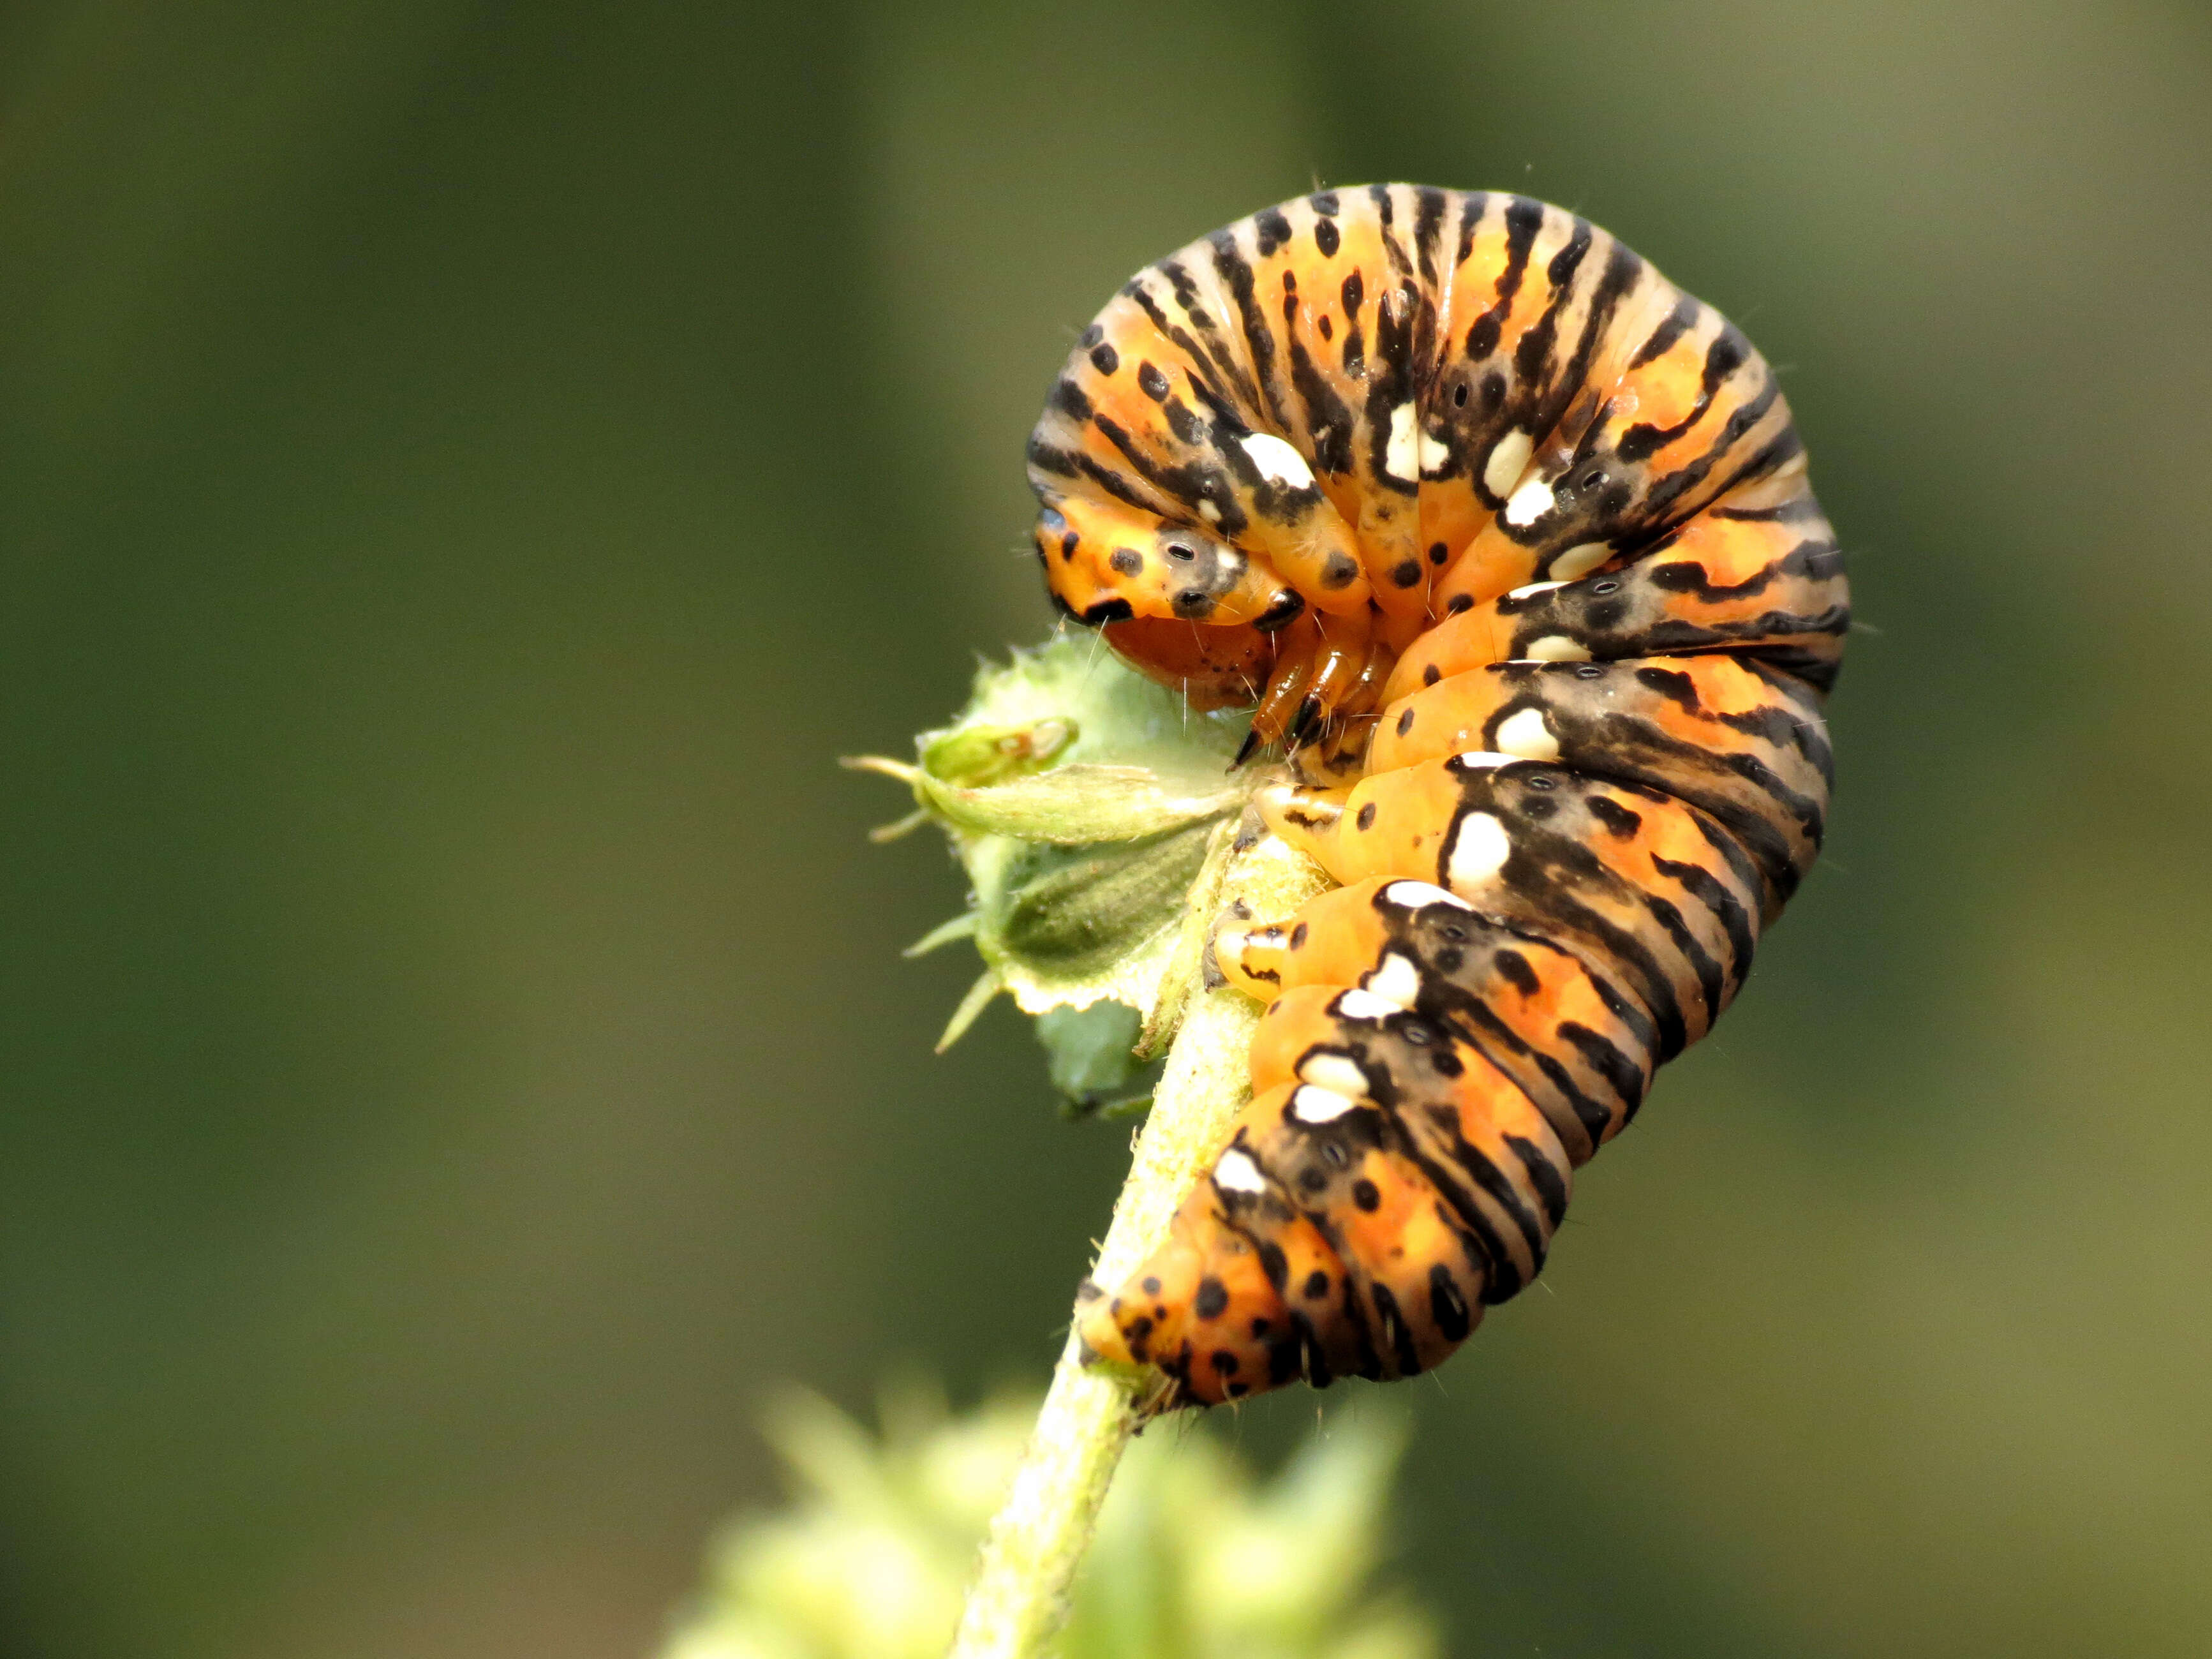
<point x="1742" y="743"/>
<point x="1579" y="1044"/>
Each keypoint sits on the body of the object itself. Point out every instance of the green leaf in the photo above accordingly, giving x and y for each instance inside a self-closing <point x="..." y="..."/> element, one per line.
<point x="1079" y="804"/>
<point x="1079" y="919"/>
<point x="1090" y="1055"/>
<point x="1089" y="808"/>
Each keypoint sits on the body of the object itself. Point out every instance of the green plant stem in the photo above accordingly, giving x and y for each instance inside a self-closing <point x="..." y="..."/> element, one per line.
<point x="1020" y="1595"/>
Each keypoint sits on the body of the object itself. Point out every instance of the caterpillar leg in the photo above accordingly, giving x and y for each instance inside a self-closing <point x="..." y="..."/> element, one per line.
<point x="1323" y="660"/>
<point x="1318" y="681"/>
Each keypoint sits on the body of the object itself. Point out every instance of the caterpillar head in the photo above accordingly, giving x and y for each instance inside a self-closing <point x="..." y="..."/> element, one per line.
<point x="1106" y="562"/>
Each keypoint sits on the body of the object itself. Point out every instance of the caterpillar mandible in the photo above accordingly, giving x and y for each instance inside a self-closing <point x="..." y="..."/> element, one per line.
<point x="1511" y="543"/>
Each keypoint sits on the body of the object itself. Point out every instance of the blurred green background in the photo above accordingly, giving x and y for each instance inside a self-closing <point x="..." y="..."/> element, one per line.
<point x="466" y="469"/>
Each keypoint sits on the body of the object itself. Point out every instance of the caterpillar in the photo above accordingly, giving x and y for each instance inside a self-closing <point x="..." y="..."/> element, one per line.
<point x="1510" y="543"/>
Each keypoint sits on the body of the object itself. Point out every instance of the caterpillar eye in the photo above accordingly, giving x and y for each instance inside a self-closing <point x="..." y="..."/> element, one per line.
<point x="1178" y="551"/>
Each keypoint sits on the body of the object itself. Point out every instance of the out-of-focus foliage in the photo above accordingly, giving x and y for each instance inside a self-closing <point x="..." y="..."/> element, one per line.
<point x="1196" y="1558"/>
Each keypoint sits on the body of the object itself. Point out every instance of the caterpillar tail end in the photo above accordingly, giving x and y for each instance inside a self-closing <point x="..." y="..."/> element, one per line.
<point x="1103" y="1347"/>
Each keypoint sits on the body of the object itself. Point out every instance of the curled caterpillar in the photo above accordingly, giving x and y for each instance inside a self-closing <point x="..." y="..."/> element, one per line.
<point x="1510" y="540"/>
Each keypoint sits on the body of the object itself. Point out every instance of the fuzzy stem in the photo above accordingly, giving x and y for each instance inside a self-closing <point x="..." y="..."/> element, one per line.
<point x="1020" y="1595"/>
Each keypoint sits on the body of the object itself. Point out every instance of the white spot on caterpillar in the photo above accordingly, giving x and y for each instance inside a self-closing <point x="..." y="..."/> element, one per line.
<point x="1578" y="561"/>
<point x="1396" y="981"/>
<point x="1479" y="851"/>
<point x="1507" y="457"/>
<point x="1482" y="760"/>
<point x="1356" y="1003"/>
<point x="1528" y="590"/>
<point x="1209" y="511"/>
<point x="1235" y="1171"/>
<point x="1314" y="1105"/>
<point x="1556" y="648"/>
<point x="1335" y="1073"/>
<point x="1398" y="454"/>
<point x="1435" y="451"/>
<point x="1415" y="895"/>
<point x="1526" y="735"/>
<point x="1530" y="502"/>
<point x="1277" y="462"/>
